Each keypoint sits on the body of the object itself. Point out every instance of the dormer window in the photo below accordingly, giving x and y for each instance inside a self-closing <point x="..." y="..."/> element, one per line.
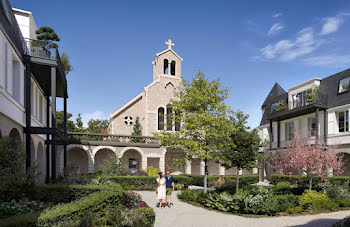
<point x="344" y="85"/>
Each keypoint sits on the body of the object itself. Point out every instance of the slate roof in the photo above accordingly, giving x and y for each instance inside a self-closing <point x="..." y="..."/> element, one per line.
<point x="329" y="85"/>
<point x="9" y="24"/>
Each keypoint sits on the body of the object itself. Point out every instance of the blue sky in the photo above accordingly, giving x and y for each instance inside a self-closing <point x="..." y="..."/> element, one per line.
<point x="250" y="45"/>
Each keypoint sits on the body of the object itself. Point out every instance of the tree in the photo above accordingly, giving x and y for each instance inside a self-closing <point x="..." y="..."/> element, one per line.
<point x="60" y="122"/>
<point x="303" y="155"/>
<point x="47" y="38"/>
<point x="244" y="150"/>
<point x="79" y="123"/>
<point x="137" y="131"/>
<point x="97" y="125"/>
<point x="67" y="67"/>
<point x="205" y="125"/>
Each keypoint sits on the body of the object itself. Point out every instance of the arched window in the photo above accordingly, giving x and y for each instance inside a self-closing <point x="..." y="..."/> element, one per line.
<point x="172" y="68"/>
<point x="169" y="118"/>
<point x="166" y="66"/>
<point x="160" y="118"/>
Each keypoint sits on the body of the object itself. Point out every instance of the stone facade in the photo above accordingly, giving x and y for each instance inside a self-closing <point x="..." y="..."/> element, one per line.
<point x="147" y="105"/>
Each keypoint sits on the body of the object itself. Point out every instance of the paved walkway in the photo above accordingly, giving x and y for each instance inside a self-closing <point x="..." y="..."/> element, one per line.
<point x="184" y="214"/>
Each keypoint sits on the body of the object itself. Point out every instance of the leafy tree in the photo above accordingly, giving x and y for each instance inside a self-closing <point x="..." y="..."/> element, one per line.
<point x="79" y="123"/>
<point x="137" y="131"/>
<point x="97" y="125"/>
<point x="67" y="67"/>
<point x="47" y="38"/>
<point x="205" y="124"/>
<point x="303" y="155"/>
<point x="60" y="122"/>
<point x="15" y="182"/>
<point x="245" y="150"/>
<point x="137" y="128"/>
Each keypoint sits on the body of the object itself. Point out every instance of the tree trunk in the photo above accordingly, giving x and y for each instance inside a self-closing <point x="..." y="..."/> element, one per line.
<point x="310" y="182"/>
<point x="205" y="175"/>
<point x="237" y="179"/>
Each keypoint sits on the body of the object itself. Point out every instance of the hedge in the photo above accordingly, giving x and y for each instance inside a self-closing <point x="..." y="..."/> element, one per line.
<point x="63" y="193"/>
<point x="185" y="179"/>
<point x="303" y="181"/>
<point x="90" y="201"/>
<point x="111" y="196"/>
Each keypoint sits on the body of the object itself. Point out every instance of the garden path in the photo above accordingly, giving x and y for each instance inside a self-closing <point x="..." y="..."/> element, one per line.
<point x="183" y="214"/>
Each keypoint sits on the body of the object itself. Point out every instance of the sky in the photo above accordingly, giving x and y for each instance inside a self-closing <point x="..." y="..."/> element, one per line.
<point x="249" y="45"/>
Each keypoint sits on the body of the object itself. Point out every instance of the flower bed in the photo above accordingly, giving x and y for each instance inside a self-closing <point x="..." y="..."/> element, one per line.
<point x="277" y="201"/>
<point x="90" y="206"/>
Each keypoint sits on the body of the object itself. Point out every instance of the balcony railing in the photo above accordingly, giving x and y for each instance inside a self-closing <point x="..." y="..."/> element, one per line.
<point x="281" y="106"/>
<point x="36" y="48"/>
<point x="79" y="137"/>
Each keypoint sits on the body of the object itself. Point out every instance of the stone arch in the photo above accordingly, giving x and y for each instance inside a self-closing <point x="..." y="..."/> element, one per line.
<point x="166" y="66"/>
<point x="78" y="156"/>
<point x="41" y="163"/>
<point x="133" y="158"/>
<point x="346" y="166"/>
<point x="14" y="134"/>
<point x="169" y="165"/>
<point x="172" y="68"/>
<point x="101" y="155"/>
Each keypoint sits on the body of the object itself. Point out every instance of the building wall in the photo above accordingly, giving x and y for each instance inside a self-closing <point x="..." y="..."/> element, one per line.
<point x="135" y="109"/>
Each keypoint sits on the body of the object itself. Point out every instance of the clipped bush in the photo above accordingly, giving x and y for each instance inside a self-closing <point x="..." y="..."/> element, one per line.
<point x="282" y="188"/>
<point x="287" y="201"/>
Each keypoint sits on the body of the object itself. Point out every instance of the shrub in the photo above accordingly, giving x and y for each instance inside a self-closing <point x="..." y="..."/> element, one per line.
<point x="343" y="202"/>
<point x="294" y="210"/>
<point x="222" y="201"/>
<point x="287" y="201"/>
<point x="282" y="188"/>
<point x="15" y="183"/>
<point x="302" y="181"/>
<point x="152" y="172"/>
<point x="337" y="192"/>
<point x="316" y="201"/>
<point x="138" y="217"/>
<point x="192" y="196"/>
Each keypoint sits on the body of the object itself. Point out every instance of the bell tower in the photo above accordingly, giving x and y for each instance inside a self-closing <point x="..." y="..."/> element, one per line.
<point x="167" y="63"/>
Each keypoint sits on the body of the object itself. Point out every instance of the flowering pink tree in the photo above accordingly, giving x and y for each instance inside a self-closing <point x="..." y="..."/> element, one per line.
<point x="305" y="155"/>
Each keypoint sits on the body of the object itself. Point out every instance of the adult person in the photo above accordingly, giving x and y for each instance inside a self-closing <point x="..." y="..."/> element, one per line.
<point x="169" y="182"/>
<point x="161" y="189"/>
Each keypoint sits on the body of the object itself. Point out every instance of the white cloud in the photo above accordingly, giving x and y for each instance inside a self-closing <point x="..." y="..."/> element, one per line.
<point x="331" y="24"/>
<point x="328" y="60"/>
<point x="275" y="28"/>
<point x="287" y="50"/>
<point x="277" y="15"/>
<point x="85" y="117"/>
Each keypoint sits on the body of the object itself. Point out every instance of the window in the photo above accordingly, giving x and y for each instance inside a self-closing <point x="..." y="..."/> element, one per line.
<point x="312" y="126"/>
<point x="160" y="118"/>
<point x="344" y="85"/>
<point x="128" y="120"/>
<point x="172" y="68"/>
<point x="343" y="121"/>
<point x="289" y="131"/>
<point x="169" y="118"/>
<point x="166" y="66"/>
